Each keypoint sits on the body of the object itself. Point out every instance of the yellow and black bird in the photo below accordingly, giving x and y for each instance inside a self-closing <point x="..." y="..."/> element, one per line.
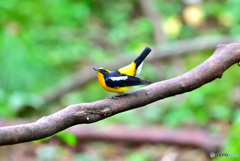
<point x="120" y="80"/>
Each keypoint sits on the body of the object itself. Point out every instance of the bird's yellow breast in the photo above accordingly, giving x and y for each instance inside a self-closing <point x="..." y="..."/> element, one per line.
<point x="104" y="86"/>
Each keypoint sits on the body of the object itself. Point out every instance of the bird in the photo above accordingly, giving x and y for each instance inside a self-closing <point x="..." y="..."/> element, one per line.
<point x="119" y="81"/>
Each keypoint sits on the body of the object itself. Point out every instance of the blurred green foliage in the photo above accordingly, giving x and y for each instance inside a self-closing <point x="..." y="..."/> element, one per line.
<point x="42" y="42"/>
<point x="70" y="139"/>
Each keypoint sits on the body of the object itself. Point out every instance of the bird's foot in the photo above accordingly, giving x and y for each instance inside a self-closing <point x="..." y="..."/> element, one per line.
<point x="117" y="96"/>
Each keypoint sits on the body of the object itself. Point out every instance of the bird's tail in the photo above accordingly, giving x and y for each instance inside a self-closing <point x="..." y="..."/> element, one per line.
<point x="142" y="56"/>
<point x="145" y="81"/>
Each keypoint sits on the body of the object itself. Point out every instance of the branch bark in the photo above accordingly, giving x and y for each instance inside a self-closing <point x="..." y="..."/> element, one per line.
<point x="162" y="51"/>
<point x="192" y="137"/>
<point x="223" y="57"/>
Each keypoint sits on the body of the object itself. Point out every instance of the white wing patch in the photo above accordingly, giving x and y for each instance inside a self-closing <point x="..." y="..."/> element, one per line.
<point x="139" y="69"/>
<point x="119" y="78"/>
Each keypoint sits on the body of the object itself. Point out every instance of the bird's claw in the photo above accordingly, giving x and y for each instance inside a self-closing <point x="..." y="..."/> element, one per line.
<point x="117" y="96"/>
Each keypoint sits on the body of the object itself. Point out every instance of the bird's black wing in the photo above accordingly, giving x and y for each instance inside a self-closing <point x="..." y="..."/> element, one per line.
<point x="123" y="80"/>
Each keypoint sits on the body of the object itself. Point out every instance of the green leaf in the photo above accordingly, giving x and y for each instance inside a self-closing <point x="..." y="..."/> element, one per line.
<point x="135" y="156"/>
<point x="70" y="139"/>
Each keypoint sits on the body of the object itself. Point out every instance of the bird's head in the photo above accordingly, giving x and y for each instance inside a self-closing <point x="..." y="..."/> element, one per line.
<point x="102" y="71"/>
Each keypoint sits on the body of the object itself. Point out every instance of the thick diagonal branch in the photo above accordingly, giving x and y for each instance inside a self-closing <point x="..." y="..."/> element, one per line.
<point x="212" y="68"/>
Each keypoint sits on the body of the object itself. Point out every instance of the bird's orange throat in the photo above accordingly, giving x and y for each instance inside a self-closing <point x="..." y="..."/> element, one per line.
<point x="104" y="86"/>
<point x="101" y="79"/>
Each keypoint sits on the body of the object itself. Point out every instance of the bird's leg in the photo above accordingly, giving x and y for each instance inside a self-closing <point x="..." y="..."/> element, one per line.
<point x="116" y="96"/>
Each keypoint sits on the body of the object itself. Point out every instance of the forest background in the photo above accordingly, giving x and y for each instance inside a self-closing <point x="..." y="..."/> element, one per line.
<point x="44" y="45"/>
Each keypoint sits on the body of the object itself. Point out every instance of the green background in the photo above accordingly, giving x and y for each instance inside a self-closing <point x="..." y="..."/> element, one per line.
<point x="44" y="42"/>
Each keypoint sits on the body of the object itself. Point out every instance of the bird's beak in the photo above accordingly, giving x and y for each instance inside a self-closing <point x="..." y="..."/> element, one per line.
<point x="96" y="69"/>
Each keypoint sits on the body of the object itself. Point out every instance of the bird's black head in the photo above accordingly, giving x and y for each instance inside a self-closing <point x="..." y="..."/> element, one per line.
<point x="102" y="70"/>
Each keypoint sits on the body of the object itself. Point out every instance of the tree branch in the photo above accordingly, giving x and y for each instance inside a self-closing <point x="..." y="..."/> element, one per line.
<point x="148" y="8"/>
<point x="193" y="137"/>
<point x="164" y="50"/>
<point x="223" y="57"/>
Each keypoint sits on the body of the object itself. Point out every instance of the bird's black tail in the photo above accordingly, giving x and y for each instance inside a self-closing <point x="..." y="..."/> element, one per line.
<point x="142" y="56"/>
<point x="145" y="81"/>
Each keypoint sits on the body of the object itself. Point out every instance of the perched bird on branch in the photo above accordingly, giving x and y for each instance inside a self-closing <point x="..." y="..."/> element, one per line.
<point x="120" y="80"/>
